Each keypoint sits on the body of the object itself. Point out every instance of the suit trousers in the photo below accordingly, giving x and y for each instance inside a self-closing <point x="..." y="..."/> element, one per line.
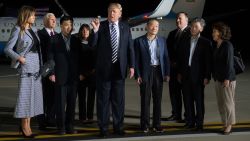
<point x="193" y="93"/>
<point x="153" y="85"/>
<point x="65" y="97"/>
<point x="111" y="92"/>
<point x="48" y="118"/>
<point x="175" y="94"/>
<point x="226" y="102"/>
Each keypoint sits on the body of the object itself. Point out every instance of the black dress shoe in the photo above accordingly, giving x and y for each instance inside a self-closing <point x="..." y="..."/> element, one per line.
<point x="119" y="132"/>
<point x="170" y="118"/>
<point x="103" y="134"/>
<point x="61" y="132"/>
<point x="158" y="130"/>
<point x="180" y="121"/>
<point x="189" y="126"/>
<point x="199" y="128"/>
<point x="71" y="132"/>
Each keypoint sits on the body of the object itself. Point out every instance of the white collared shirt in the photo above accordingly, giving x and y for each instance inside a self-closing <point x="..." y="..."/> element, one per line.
<point x="193" y="43"/>
<point x="49" y="31"/>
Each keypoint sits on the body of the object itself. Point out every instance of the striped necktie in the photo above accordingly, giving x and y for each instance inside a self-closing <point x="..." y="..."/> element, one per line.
<point x="114" y="43"/>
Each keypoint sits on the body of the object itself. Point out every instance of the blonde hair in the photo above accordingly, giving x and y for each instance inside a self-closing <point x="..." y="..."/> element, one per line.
<point x="23" y="16"/>
<point x="115" y="5"/>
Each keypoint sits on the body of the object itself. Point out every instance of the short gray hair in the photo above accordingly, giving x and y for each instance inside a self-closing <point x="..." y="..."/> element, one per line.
<point x="200" y="20"/>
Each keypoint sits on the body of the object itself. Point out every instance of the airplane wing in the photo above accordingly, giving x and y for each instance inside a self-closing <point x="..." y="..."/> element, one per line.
<point x="161" y="10"/>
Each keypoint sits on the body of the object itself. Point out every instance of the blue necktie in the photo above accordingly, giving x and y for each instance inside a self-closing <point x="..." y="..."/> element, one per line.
<point x="114" y="43"/>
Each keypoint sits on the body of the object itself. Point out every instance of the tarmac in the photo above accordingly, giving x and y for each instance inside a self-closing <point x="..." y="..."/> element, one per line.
<point x="172" y="131"/>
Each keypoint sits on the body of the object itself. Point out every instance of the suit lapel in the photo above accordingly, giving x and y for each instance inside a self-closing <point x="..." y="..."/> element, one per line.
<point x="121" y="35"/>
<point x="197" y="47"/>
<point x="145" y="42"/>
<point x="62" y="42"/>
<point x="107" y="31"/>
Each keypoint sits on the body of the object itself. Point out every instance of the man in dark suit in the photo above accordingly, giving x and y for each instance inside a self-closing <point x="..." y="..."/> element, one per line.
<point x="65" y="53"/>
<point x="195" y="70"/>
<point x="174" y="39"/>
<point x="152" y="68"/>
<point x="45" y="34"/>
<point x="115" y="53"/>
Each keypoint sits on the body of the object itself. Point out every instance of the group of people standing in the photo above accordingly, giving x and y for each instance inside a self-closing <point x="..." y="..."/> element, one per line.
<point x="98" y="61"/>
<point x="193" y="60"/>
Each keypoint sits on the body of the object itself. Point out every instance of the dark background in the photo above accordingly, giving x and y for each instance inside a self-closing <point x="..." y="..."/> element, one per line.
<point x="234" y="13"/>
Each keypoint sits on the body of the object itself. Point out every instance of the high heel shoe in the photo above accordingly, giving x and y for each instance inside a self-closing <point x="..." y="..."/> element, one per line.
<point x="24" y="135"/>
<point x="228" y="130"/>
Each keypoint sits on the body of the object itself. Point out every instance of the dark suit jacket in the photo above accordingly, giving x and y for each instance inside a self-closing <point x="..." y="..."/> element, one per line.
<point x="45" y="43"/>
<point x="66" y="62"/>
<point x="102" y="41"/>
<point x="223" y="63"/>
<point x="201" y="60"/>
<point x="143" y="58"/>
<point x="174" y="45"/>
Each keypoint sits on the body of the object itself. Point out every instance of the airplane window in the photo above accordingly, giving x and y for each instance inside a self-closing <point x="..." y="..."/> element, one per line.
<point x="137" y="29"/>
<point x="133" y="29"/>
<point x="8" y="30"/>
<point x="3" y="30"/>
<point x="141" y="29"/>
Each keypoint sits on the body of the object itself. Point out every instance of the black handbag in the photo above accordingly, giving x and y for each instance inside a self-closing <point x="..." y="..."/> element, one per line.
<point x="239" y="65"/>
<point x="46" y="69"/>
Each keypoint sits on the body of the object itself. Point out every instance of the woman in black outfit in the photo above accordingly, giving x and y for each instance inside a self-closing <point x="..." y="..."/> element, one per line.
<point x="87" y="77"/>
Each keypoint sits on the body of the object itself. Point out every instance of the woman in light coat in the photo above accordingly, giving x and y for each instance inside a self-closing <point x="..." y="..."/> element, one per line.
<point x="23" y="48"/>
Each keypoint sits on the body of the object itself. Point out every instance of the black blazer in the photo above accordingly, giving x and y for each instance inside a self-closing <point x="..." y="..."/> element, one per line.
<point x="66" y="67"/>
<point x="88" y="59"/>
<point x="45" y="43"/>
<point x="102" y="41"/>
<point x="201" y="60"/>
<point x="223" y="62"/>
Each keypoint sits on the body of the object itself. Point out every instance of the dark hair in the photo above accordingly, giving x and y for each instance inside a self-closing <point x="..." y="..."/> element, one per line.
<point x="224" y="30"/>
<point x="66" y="18"/>
<point x="81" y="28"/>
<point x="182" y="12"/>
<point x="151" y="20"/>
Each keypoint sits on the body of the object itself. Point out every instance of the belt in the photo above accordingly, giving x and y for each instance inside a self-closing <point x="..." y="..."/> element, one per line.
<point x="36" y="75"/>
<point x="155" y="66"/>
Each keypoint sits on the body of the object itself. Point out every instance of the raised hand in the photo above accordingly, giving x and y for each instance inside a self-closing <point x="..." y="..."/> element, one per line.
<point x="95" y="24"/>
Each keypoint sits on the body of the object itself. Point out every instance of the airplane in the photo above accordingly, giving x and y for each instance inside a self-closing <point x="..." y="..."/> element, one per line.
<point x="166" y="13"/>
